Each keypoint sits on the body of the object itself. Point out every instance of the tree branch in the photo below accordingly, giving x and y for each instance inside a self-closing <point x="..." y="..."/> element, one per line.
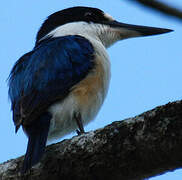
<point x="162" y="7"/>
<point x="132" y="149"/>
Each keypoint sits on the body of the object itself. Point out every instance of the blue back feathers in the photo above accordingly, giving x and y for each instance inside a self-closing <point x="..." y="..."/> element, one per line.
<point x="46" y="74"/>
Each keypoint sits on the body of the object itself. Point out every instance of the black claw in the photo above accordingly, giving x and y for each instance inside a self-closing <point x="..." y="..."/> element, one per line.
<point x="78" y="119"/>
<point x="78" y="132"/>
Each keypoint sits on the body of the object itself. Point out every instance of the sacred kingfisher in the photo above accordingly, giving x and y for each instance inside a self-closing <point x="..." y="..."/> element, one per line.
<point x="60" y="85"/>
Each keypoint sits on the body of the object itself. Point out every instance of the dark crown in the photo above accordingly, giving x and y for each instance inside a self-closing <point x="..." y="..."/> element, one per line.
<point x="73" y="14"/>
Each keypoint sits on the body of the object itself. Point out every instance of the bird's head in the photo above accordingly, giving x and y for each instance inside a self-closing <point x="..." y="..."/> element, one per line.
<point x="92" y="23"/>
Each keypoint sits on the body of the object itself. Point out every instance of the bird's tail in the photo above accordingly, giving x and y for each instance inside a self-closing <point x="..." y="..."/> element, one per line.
<point x="37" y="137"/>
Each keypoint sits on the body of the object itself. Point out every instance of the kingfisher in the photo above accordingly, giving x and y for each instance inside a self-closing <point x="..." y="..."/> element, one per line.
<point x="61" y="84"/>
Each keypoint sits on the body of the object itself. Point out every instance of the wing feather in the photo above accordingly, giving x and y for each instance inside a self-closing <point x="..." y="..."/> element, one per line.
<point x="46" y="74"/>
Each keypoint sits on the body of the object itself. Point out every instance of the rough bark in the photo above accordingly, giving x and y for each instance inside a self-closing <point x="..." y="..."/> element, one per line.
<point x="162" y="7"/>
<point x="132" y="149"/>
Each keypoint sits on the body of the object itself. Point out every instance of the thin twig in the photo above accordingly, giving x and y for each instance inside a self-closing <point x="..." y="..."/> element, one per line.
<point x="162" y="7"/>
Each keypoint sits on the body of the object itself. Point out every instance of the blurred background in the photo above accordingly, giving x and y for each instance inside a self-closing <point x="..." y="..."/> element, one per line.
<point x="146" y="72"/>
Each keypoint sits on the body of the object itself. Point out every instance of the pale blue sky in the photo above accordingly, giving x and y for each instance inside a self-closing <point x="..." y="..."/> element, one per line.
<point x="146" y="72"/>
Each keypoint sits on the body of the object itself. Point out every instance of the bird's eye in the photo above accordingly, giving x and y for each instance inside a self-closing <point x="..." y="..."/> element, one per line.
<point x="88" y="14"/>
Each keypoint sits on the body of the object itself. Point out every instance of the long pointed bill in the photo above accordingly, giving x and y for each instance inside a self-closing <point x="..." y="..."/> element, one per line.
<point x="142" y="30"/>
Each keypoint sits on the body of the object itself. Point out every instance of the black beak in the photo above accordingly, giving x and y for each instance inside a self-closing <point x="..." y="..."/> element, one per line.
<point x="142" y="30"/>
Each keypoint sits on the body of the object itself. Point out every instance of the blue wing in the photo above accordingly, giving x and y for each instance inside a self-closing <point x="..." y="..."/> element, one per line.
<point x="46" y="75"/>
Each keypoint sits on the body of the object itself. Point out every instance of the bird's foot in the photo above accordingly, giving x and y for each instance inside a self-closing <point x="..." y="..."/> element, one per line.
<point x="79" y="132"/>
<point x="78" y="119"/>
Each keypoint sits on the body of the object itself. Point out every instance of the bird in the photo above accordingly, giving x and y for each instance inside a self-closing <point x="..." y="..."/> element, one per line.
<point x="60" y="85"/>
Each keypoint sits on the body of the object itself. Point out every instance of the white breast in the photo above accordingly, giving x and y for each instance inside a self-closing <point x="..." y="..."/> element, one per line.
<point x="86" y="97"/>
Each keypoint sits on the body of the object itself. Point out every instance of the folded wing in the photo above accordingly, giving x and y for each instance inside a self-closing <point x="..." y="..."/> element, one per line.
<point x="46" y="74"/>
